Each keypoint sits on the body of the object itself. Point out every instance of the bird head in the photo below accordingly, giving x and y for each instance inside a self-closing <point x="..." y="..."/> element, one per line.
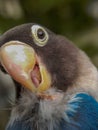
<point x="38" y="59"/>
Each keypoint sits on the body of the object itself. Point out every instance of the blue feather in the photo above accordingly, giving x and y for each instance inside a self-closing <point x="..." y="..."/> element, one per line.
<point x="84" y="116"/>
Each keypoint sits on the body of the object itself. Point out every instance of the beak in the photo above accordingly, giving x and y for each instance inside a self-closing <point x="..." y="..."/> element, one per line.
<point x="23" y="65"/>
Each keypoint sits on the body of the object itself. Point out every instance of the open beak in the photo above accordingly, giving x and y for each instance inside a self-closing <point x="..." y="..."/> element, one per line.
<point x="25" y="66"/>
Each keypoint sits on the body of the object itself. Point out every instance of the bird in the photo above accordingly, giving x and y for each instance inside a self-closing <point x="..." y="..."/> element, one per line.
<point x="56" y="83"/>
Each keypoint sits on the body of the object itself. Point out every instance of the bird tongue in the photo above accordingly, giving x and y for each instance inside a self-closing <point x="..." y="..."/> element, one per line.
<point x="36" y="76"/>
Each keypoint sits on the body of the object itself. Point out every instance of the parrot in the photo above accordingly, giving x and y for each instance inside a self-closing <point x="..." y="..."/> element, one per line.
<point x="56" y="83"/>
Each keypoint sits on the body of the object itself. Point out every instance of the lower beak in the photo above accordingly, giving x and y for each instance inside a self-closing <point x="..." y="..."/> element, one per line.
<point x="23" y="64"/>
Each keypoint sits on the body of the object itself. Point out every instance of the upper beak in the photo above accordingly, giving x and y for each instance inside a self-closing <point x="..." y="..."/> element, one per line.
<point x="23" y="64"/>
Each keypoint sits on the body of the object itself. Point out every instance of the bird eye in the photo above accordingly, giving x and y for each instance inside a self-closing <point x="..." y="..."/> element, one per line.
<point x="40" y="35"/>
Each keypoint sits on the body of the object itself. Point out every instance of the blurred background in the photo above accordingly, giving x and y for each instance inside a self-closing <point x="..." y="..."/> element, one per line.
<point x="77" y="20"/>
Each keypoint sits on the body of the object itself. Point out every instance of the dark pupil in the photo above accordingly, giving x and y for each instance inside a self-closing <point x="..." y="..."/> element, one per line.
<point x="40" y="33"/>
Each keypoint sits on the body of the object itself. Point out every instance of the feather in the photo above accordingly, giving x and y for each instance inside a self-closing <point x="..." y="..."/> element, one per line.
<point x="85" y="116"/>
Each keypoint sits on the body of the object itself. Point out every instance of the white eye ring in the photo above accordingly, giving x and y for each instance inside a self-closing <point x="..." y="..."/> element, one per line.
<point x="40" y="35"/>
